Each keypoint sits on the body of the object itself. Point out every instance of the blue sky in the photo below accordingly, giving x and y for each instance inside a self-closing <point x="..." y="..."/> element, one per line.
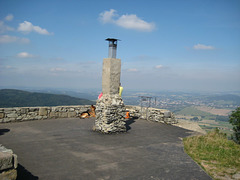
<point x="190" y="45"/>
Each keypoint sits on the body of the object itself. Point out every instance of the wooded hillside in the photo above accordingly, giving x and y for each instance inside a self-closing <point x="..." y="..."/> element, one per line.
<point x="19" y="98"/>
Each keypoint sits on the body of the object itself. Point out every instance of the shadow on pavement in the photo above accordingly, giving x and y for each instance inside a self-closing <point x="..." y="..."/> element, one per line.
<point x="24" y="174"/>
<point x="129" y="122"/>
<point x="3" y="131"/>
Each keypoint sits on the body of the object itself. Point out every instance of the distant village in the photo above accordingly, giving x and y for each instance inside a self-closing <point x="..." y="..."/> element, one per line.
<point x="175" y="102"/>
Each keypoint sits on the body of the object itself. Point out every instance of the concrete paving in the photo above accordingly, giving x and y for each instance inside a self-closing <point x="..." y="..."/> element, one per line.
<point x="61" y="149"/>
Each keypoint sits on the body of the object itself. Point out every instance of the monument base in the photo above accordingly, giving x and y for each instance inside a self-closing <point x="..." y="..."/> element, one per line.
<point x="110" y="114"/>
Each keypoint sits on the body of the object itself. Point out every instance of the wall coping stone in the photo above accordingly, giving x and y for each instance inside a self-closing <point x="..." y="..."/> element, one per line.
<point x="8" y="164"/>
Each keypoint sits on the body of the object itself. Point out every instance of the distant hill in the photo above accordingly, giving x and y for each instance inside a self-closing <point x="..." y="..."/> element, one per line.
<point x="19" y="98"/>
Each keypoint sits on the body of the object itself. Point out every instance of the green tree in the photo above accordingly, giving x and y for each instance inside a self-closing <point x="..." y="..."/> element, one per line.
<point x="234" y="119"/>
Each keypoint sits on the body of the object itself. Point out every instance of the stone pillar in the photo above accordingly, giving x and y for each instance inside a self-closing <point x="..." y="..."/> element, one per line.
<point x="111" y="73"/>
<point x="110" y="109"/>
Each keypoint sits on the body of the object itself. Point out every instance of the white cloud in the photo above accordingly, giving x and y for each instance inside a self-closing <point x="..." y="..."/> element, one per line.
<point x="107" y="16"/>
<point x="133" y="22"/>
<point x="27" y="27"/>
<point x="132" y="70"/>
<point x="25" y="55"/>
<point x="9" y="17"/>
<point x="159" y="66"/>
<point x="203" y="47"/>
<point x="11" y="39"/>
<point x="4" y="28"/>
<point x="126" y="21"/>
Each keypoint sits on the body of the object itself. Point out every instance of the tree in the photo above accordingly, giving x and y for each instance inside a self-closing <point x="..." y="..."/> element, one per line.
<point x="234" y="119"/>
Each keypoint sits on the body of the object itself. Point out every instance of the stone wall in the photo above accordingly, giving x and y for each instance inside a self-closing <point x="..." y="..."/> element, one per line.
<point x="39" y="113"/>
<point x="152" y="114"/>
<point x="8" y="164"/>
<point x="19" y="114"/>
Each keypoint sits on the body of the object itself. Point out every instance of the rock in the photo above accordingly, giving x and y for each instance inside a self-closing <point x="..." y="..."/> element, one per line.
<point x="33" y="109"/>
<point x="32" y="114"/>
<point x="25" y="119"/>
<point x="7" y="110"/>
<point x="43" y="111"/>
<point x="38" y="117"/>
<point x="54" y="114"/>
<point x="63" y="114"/>
<point x="9" y="175"/>
<point x="8" y="164"/>
<point x="5" y="150"/>
<point x="6" y="120"/>
<point x="167" y="114"/>
<point x="24" y="110"/>
<point x="12" y="115"/>
<point x="15" y="161"/>
<point x="71" y="109"/>
<point x="71" y="114"/>
<point x="19" y="118"/>
<point x="1" y="115"/>
<point x="6" y="160"/>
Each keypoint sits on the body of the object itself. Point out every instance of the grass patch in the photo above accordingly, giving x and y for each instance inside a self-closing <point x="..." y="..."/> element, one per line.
<point x="217" y="155"/>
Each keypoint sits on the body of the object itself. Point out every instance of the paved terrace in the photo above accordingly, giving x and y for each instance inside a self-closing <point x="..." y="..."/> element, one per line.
<point x="68" y="149"/>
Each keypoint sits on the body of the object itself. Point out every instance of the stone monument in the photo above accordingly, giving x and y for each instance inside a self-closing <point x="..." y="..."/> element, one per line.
<point x="110" y="109"/>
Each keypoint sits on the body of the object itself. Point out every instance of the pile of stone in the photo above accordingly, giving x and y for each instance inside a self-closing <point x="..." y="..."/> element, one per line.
<point x="8" y="164"/>
<point x="110" y="114"/>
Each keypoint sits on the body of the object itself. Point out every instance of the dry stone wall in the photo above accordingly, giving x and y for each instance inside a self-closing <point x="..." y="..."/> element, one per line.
<point x="152" y="114"/>
<point x="19" y="114"/>
<point x="38" y="113"/>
